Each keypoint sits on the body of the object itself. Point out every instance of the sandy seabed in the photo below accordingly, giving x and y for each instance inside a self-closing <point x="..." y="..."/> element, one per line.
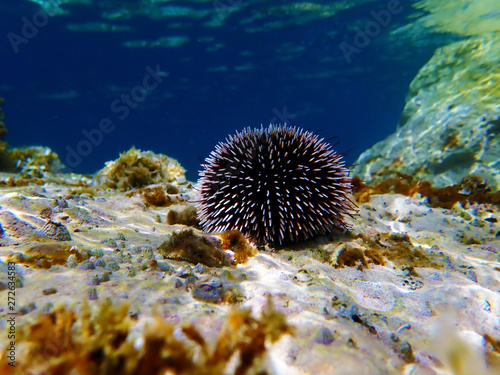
<point x="409" y="289"/>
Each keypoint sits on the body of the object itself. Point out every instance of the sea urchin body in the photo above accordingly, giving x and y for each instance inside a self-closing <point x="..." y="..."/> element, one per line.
<point x="277" y="184"/>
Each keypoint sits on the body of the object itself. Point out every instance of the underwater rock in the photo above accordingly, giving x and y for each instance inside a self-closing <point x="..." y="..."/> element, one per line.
<point x="209" y="291"/>
<point x="214" y="290"/>
<point x="186" y="216"/>
<point x="324" y="336"/>
<point x="14" y="228"/>
<point x="450" y="122"/>
<point x="235" y="241"/>
<point x="55" y="231"/>
<point x="194" y="248"/>
<point x="136" y="169"/>
<point x="157" y="196"/>
<point x="45" y="255"/>
<point x="30" y="162"/>
<point x="35" y="161"/>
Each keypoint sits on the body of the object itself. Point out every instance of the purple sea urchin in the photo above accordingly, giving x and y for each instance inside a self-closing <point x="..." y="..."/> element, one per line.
<point x="277" y="184"/>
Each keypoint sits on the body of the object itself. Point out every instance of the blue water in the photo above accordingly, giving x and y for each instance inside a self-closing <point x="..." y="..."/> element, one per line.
<point x="243" y="72"/>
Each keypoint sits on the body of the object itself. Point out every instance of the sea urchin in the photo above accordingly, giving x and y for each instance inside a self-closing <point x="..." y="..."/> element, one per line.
<point x="277" y="184"/>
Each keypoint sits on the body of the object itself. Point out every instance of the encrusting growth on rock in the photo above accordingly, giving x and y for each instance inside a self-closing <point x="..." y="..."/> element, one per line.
<point x="136" y="169"/>
<point x="195" y="248"/>
<point x="223" y="249"/>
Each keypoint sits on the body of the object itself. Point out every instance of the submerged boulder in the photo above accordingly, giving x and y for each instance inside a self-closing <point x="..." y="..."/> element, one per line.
<point x="450" y="125"/>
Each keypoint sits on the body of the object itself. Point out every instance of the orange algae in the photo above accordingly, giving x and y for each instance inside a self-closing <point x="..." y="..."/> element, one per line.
<point x="235" y="241"/>
<point x="194" y="248"/>
<point x="209" y="250"/>
<point x="492" y="351"/>
<point x="472" y="189"/>
<point x="187" y="216"/>
<point x="45" y="255"/>
<point x="104" y="342"/>
<point x="380" y="248"/>
<point x="157" y="195"/>
<point x="21" y="181"/>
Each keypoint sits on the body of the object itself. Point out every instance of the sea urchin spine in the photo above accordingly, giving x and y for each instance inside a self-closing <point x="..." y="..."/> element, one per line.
<point x="277" y="184"/>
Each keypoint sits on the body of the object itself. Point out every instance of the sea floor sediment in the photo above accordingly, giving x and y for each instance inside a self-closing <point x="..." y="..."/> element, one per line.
<point x="410" y="288"/>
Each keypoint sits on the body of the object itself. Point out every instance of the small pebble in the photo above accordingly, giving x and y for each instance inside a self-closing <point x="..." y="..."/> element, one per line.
<point x="96" y="252"/>
<point x="49" y="291"/>
<point x="209" y="291"/>
<point x="199" y="268"/>
<point x="324" y="336"/>
<point x="112" y="266"/>
<point x="110" y="242"/>
<point x="472" y="275"/>
<point x="350" y="343"/>
<point x="72" y="261"/>
<point x="178" y="283"/>
<point x="165" y="267"/>
<point x="303" y="276"/>
<point x="131" y="272"/>
<point x="190" y="280"/>
<point x="94" y="281"/>
<point x="55" y="231"/>
<point x="185" y="272"/>
<point x="61" y="203"/>
<point x="26" y="309"/>
<point x="92" y="294"/>
<point x="133" y="249"/>
<point x="86" y="265"/>
<point x="99" y="263"/>
<point x="103" y="277"/>
<point x="405" y="351"/>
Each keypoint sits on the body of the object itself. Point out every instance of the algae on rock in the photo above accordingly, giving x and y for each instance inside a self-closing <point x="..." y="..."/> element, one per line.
<point x="450" y="125"/>
<point x="32" y="162"/>
<point x="35" y="161"/>
<point x="136" y="168"/>
<point x="108" y="340"/>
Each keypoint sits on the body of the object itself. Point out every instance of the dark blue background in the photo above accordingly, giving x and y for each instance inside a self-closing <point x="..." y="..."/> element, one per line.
<point x="359" y="103"/>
